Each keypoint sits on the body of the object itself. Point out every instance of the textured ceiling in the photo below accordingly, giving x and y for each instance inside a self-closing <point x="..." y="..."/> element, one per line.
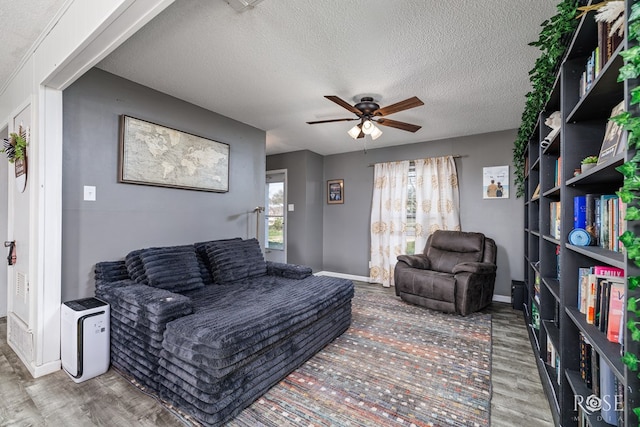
<point x="22" y="22"/>
<point x="270" y="66"/>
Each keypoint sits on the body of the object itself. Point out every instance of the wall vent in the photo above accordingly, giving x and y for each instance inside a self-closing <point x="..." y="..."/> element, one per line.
<point x="19" y="335"/>
<point x="21" y="287"/>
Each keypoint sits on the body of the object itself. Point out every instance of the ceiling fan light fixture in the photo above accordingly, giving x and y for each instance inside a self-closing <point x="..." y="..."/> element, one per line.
<point x="354" y="132"/>
<point x="375" y="134"/>
<point x="368" y="127"/>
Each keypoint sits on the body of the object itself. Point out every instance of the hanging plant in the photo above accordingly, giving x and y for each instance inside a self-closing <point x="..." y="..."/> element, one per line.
<point x="15" y="147"/>
<point x="630" y="191"/>
<point x="553" y="43"/>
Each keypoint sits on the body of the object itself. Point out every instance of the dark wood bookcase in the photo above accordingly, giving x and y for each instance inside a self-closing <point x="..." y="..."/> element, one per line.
<point x="551" y="312"/>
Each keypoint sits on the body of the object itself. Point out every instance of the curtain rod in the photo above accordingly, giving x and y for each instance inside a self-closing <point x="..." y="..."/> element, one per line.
<point x="455" y="156"/>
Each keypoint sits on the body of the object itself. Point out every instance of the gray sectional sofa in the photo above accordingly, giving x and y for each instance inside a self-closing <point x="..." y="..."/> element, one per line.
<point x="210" y="327"/>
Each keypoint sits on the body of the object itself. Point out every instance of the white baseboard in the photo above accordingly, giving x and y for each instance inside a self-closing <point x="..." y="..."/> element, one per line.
<point x="344" y="276"/>
<point x="496" y="298"/>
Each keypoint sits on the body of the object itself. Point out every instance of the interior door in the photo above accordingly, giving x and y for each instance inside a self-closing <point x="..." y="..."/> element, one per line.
<point x="4" y="133"/>
<point x="275" y="216"/>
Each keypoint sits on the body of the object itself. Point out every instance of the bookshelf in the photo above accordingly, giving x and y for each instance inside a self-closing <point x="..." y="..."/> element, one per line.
<point x="552" y="313"/>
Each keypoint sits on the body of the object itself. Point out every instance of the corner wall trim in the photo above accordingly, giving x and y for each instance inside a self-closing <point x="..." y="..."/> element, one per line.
<point x="496" y="298"/>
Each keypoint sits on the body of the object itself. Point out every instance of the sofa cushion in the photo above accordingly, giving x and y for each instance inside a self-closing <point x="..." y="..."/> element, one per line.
<point x="174" y="268"/>
<point x="234" y="260"/>
<point x="203" y="259"/>
<point x="134" y="265"/>
<point x="446" y="249"/>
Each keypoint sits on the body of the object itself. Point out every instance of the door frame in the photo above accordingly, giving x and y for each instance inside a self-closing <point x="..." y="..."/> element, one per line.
<point x="284" y="209"/>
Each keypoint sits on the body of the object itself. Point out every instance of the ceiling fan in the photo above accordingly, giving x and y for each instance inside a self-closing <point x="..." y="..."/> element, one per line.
<point x="369" y="112"/>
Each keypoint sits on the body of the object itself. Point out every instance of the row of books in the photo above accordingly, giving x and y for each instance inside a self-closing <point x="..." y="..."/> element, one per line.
<point x="601" y="298"/>
<point x="607" y="45"/>
<point x="553" y="359"/>
<point x="602" y="216"/>
<point x="591" y="72"/>
<point x="604" y="385"/>
<point x="558" y="172"/>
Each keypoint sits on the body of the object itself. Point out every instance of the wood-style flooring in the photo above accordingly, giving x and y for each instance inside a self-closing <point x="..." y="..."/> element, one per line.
<point x="109" y="399"/>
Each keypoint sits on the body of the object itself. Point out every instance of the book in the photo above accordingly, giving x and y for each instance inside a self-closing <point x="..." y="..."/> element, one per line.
<point x="606" y="225"/>
<point x="580" y="212"/>
<point x="616" y="310"/>
<point x="607" y="394"/>
<point x="612" y="135"/>
<point x="536" y="193"/>
<point x="606" y="270"/>
<point x="590" y="217"/>
<point x="583" y="281"/>
<point x="555" y="216"/>
<point x="590" y="313"/>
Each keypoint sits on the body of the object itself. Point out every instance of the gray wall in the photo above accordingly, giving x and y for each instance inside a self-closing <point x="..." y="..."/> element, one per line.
<point x="346" y="226"/>
<point x="127" y="216"/>
<point x="305" y="191"/>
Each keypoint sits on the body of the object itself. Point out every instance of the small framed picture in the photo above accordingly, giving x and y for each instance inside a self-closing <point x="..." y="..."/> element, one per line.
<point x="495" y="182"/>
<point x="335" y="191"/>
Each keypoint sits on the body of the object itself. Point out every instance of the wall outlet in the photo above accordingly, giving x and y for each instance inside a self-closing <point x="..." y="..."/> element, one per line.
<point x="369" y="264"/>
<point x="290" y="207"/>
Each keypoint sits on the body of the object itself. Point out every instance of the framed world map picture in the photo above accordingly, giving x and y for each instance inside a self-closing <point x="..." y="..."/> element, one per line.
<point x="152" y="154"/>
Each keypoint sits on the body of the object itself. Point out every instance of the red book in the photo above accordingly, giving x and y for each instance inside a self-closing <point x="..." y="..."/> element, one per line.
<point x="605" y="270"/>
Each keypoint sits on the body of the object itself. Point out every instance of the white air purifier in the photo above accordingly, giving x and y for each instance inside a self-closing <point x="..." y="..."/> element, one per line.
<point x="84" y="336"/>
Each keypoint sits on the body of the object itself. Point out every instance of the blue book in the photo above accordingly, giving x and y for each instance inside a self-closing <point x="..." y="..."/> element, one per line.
<point x="580" y="212"/>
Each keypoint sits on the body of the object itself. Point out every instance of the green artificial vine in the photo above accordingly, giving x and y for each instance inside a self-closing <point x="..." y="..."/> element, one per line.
<point x="630" y="170"/>
<point x="553" y="43"/>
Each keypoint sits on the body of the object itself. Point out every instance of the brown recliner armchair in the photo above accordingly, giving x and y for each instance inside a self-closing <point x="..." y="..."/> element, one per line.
<point x="456" y="273"/>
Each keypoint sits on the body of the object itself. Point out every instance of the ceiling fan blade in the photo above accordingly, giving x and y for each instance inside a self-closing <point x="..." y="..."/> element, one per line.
<point x="399" y="106"/>
<point x="332" y="120"/>
<point x="343" y="104"/>
<point x="398" y="125"/>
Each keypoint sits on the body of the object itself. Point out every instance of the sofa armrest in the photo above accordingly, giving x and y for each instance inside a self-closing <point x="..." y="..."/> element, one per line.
<point x="416" y="261"/>
<point x="148" y="304"/>
<point x="475" y="267"/>
<point x="290" y="271"/>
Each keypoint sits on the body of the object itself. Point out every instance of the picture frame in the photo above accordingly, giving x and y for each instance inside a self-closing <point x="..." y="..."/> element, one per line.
<point x="612" y="142"/>
<point x="335" y="191"/>
<point x="495" y="182"/>
<point x="156" y="155"/>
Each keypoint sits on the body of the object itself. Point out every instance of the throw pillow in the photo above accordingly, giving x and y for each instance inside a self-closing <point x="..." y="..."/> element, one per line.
<point x="234" y="260"/>
<point x="173" y="268"/>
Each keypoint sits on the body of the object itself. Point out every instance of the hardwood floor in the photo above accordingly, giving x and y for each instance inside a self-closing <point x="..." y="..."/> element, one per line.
<point x="109" y="399"/>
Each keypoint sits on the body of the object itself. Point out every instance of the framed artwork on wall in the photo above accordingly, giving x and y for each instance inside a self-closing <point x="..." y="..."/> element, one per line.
<point x="495" y="182"/>
<point x="151" y="154"/>
<point x="335" y="191"/>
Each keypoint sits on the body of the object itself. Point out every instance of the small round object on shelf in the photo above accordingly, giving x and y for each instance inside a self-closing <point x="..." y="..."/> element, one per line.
<point x="579" y="237"/>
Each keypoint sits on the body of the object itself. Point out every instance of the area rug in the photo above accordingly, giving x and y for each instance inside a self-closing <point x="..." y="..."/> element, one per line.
<point x="398" y="364"/>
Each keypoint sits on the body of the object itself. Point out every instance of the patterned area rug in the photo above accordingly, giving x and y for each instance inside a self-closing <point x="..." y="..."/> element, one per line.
<point x="397" y="364"/>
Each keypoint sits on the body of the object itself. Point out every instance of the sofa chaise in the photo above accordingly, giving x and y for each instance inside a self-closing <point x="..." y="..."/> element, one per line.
<point x="210" y="327"/>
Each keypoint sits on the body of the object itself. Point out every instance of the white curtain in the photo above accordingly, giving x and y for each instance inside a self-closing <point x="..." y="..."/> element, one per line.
<point x="388" y="219"/>
<point x="437" y="198"/>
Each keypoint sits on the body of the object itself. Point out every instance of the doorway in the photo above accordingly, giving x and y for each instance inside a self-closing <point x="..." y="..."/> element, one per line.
<point x="275" y="216"/>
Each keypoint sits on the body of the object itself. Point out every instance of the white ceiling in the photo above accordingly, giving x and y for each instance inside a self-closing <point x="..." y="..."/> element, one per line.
<point x="270" y="66"/>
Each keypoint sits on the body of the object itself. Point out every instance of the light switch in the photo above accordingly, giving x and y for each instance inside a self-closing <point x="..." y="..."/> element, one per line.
<point x="89" y="193"/>
<point x="290" y="207"/>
